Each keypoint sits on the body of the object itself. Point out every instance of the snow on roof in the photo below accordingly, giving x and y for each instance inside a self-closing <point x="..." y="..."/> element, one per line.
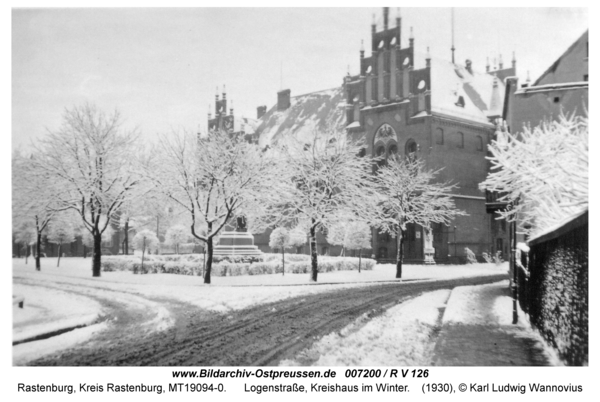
<point x="245" y="124"/>
<point x="307" y="113"/>
<point x="450" y="81"/>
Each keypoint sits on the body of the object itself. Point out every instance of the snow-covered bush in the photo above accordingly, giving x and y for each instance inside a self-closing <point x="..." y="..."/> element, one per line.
<point x="237" y="259"/>
<point x="471" y="259"/>
<point x="147" y="267"/>
<point x="488" y="258"/>
<point x="118" y="263"/>
<point x="498" y="258"/>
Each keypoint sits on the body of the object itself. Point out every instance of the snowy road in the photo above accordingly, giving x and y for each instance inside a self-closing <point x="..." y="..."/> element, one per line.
<point x="148" y="330"/>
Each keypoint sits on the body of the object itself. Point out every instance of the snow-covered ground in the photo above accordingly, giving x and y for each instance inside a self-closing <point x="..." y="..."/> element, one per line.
<point x="490" y="305"/>
<point x="248" y="291"/>
<point x="48" y="308"/>
<point x="404" y="334"/>
<point x="399" y="337"/>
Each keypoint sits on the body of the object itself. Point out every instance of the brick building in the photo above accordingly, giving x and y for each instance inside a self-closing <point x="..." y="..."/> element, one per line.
<point x="404" y="101"/>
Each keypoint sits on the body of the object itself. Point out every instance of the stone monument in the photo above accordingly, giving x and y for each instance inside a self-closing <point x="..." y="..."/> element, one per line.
<point x="236" y="241"/>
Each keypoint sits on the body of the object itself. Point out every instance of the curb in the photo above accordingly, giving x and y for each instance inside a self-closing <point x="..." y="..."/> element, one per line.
<point x="58" y="331"/>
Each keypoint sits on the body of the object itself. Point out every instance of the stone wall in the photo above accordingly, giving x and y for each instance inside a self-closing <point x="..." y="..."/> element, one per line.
<point x="556" y="293"/>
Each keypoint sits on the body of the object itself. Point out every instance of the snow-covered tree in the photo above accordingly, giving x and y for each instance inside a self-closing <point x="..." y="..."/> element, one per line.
<point x="297" y="237"/>
<point x="92" y="159"/>
<point x="145" y="240"/>
<point x="176" y="235"/>
<point x="280" y="238"/>
<point x="336" y="234"/>
<point x="541" y="172"/>
<point x="60" y="231"/>
<point x="326" y="178"/>
<point x="214" y="178"/>
<point x="87" y="238"/>
<point x="36" y="197"/>
<point x="25" y="235"/>
<point x="409" y="195"/>
<point x="351" y="235"/>
<point x="358" y="237"/>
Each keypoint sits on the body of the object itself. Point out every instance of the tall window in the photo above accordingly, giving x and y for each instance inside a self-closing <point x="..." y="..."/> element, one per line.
<point x="479" y="143"/>
<point x="460" y="140"/>
<point x="411" y="149"/>
<point x="439" y="136"/>
<point x="380" y="155"/>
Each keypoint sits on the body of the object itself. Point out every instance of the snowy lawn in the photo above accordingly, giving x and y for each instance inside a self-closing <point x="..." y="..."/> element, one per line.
<point x="399" y="337"/>
<point x="237" y="292"/>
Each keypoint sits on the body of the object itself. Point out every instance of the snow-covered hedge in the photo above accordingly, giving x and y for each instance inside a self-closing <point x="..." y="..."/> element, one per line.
<point x="190" y="265"/>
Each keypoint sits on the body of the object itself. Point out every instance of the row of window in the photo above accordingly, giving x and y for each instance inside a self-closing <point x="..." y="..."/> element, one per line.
<point x="457" y="139"/>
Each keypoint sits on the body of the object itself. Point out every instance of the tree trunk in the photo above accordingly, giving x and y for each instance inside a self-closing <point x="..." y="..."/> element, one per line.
<point x="126" y="241"/>
<point x="283" y="261"/>
<point x="359" y="256"/>
<point x="204" y="262"/>
<point x="399" y="253"/>
<point x="209" y="246"/>
<point x="38" y="246"/>
<point x="143" y="251"/>
<point x="26" y="252"/>
<point x="97" y="254"/>
<point x="313" y="254"/>
<point x="58" y="263"/>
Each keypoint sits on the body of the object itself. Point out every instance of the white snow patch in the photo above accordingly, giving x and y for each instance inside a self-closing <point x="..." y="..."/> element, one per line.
<point x="47" y="310"/>
<point x="26" y="352"/>
<point x="398" y="337"/>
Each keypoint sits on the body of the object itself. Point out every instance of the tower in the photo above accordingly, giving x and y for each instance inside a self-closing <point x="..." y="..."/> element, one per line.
<point x="222" y="121"/>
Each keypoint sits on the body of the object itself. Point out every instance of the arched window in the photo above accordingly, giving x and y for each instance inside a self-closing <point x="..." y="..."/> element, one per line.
<point x="439" y="136"/>
<point x="460" y="140"/>
<point x="381" y="155"/>
<point x="479" y="143"/>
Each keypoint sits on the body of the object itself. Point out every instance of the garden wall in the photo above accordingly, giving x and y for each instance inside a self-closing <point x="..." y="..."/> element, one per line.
<point x="555" y="290"/>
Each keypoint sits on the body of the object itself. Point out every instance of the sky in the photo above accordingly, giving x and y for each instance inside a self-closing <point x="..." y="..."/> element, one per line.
<point x="160" y="67"/>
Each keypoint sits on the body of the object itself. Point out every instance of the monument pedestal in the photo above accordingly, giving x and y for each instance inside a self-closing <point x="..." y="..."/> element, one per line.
<point x="237" y="241"/>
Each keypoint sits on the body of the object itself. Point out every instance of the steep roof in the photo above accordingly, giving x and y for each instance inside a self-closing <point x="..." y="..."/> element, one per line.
<point x="245" y="124"/>
<point x="482" y="99"/>
<point x="546" y="77"/>
<point x="316" y="110"/>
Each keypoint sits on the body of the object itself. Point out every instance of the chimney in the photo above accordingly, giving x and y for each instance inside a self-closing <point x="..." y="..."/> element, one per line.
<point x="283" y="99"/>
<point x="260" y="111"/>
<point x="468" y="66"/>
<point x="386" y="13"/>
